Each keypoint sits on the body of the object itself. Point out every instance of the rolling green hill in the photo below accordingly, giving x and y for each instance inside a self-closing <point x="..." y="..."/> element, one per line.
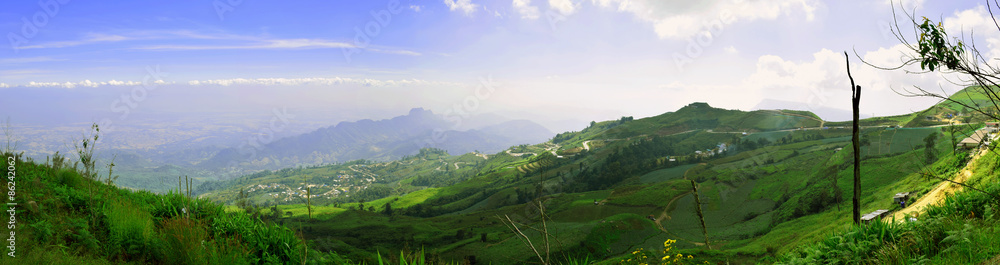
<point x="627" y="188"/>
<point x="772" y="183"/>
<point x="59" y="215"/>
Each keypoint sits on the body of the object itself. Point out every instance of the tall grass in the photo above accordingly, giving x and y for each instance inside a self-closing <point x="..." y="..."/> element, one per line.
<point x="130" y="231"/>
<point x="271" y="243"/>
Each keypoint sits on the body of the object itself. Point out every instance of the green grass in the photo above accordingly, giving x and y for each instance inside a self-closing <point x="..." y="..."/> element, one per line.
<point x="659" y="194"/>
<point x="665" y="174"/>
<point x="69" y="219"/>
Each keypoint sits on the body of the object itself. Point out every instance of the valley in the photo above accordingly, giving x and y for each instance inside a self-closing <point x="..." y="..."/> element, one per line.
<point x="472" y="132"/>
<point x="626" y="182"/>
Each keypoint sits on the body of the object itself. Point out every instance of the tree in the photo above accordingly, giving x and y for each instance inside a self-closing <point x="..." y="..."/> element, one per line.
<point x="929" y="142"/>
<point x="934" y="50"/>
<point x="856" y="101"/>
<point x="388" y="209"/>
<point x="951" y="136"/>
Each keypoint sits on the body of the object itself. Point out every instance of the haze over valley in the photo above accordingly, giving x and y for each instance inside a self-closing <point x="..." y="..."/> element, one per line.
<point x="501" y="132"/>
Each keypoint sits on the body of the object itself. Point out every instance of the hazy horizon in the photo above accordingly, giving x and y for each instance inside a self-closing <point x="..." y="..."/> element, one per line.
<point x="219" y="66"/>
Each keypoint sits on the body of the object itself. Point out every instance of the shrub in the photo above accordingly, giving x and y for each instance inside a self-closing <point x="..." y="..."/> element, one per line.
<point x="270" y="242"/>
<point x="43" y="231"/>
<point x="81" y="238"/>
<point x="69" y="178"/>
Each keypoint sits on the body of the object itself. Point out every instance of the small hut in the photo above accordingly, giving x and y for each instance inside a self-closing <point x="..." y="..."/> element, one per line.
<point x="873" y="215"/>
<point x="902" y="196"/>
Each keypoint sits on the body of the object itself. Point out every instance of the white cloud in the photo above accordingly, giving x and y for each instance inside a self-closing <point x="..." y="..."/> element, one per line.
<point x="525" y="9"/>
<point x="683" y="19"/>
<point x="88" y="83"/>
<point x="464" y="5"/>
<point x="962" y="24"/>
<point x="317" y="81"/>
<point x="564" y="7"/>
<point x="4" y="85"/>
<point x="731" y="49"/>
<point x="823" y="81"/>
<point x="415" y="8"/>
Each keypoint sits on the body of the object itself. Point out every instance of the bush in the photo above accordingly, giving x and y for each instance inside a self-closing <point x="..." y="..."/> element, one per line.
<point x="80" y="237"/>
<point x="69" y="177"/>
<point x="270" y="242"/>
<point x="43" y="231"/>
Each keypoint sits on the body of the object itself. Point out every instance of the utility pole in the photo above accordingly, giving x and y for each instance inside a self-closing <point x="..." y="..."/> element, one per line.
<point x="855" y="100"/>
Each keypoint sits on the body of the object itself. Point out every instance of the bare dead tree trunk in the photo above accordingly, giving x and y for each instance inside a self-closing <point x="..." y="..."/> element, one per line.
<point x="855" y="100"/>
<point x="701" y="216"/>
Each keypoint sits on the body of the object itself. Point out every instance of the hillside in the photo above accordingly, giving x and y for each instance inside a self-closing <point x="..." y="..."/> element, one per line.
<point x="765" y="195"/>
<point x="63" y="216"/>
<point x="942" y="113"/>
<point x="608" y="189"/>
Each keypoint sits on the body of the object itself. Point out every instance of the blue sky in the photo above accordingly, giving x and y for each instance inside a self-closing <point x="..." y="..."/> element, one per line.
<point x="551" y="59"/>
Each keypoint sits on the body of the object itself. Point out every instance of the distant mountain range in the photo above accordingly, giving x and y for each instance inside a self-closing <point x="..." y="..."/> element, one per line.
<point x="380" y="140"/>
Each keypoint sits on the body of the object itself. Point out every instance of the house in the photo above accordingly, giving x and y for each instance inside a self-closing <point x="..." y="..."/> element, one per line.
<point x="902" y="196"/>
<point x="873" y="215"/>
<point x="992" y="126"/>
<point x="973" y="140"/>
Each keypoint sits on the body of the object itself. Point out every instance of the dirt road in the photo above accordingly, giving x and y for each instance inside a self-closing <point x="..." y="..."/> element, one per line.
<point x="941" y="191"/>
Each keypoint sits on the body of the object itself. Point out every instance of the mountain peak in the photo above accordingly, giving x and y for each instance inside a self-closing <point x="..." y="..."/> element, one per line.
<point x="419" y="111"/>
<point x="702" y="106"/>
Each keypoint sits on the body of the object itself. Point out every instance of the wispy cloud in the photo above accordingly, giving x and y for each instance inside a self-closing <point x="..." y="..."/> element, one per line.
<point x="318" y="81"/>
<point x="22" y="73"/>
<point x="88" y="39"/>
<point x="210" y="41"/>
<point x="262" y="44"/>
<point x="29" y="60"/>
